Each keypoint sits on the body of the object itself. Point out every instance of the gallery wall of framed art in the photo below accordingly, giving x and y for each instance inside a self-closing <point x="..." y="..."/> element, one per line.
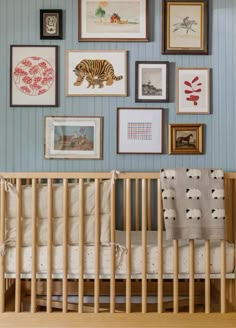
<point x="74" y="74"/>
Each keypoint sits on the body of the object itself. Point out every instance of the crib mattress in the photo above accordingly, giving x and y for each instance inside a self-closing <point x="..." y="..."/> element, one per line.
<point x="136" y="257"/>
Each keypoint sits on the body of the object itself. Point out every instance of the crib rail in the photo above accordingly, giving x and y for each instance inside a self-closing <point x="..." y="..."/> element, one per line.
<point x="134" y="205"/>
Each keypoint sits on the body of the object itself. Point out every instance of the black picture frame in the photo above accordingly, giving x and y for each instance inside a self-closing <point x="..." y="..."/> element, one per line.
<point x="185" y="27"/>
<point x="51" y="24"/>
<point x="151" y="81"/>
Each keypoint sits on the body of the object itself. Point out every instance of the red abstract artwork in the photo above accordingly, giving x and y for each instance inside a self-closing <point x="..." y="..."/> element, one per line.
<point x="34" y="76"/>
<point x="193" y="91"/>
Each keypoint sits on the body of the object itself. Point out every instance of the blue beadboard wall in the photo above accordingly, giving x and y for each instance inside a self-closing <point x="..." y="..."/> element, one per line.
<point x="22" y="129"/>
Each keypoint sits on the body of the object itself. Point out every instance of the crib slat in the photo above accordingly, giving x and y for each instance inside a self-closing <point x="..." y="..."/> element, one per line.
<point x="222" y="280"/>
<point x="144" y="246"/>
<point x="207" y="276"/>
<point x="65" y="245"/>
<point x="2" y="258"/>
<point x="136" y="204"/>
<point x="128" y="244"/>
<point x="97" y="247"/>
<point x="160" y="248"/>
<point x="18" y="245"/>
<point x="124" y="205"/>
<point x="81" y="245"/>
<point x="191" y="276"/>
<point x="176" y="273"/>
<point x="34" y="243"/>
<point x="49" y="248"/>
<point x="113" y="262"/>
<point x="149" y="208"/>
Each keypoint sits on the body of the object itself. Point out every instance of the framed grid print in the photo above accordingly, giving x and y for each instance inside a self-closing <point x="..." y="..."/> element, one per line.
<point x="139" y="130"/>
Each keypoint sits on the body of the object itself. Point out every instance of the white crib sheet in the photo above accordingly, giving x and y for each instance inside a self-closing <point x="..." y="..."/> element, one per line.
<point x="136" y="257"/>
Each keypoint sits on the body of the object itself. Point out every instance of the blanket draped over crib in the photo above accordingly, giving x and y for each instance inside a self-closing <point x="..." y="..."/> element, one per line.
<point x="193" y="203"/>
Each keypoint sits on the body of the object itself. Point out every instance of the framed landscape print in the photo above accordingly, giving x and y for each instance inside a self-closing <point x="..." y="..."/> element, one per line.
<point x="185" y="139"/>
<point x="73" y="137"/>
<point x="193" y="91"/>
<point x="151" y="81"/>
<point x="51" y="24"/>
<point x="96" y="73"/>
<point x="139" y="130"/>
<point x="33" y="76"/>
<point x="185" y="27"/>
<point x="113" y="20"/>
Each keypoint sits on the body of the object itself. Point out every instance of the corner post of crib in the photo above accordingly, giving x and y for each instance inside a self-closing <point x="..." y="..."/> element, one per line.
<point x="113" y="263"/>
<point x="2" y="258"/>
<point x="160" y="247"/>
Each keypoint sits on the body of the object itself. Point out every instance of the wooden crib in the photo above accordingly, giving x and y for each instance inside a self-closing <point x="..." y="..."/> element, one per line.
<point x="134" y="205"/>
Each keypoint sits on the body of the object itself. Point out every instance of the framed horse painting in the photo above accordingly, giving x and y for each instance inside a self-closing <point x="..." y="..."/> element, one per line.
<point x="185" y="139"/>
<point x="185" y="27"/>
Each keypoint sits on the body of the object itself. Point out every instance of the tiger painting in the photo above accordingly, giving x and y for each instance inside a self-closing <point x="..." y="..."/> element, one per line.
<point x="96" y="72"/>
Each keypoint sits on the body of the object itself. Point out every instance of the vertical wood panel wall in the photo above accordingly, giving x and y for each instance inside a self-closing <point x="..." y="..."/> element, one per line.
<point x="22" y="130"/>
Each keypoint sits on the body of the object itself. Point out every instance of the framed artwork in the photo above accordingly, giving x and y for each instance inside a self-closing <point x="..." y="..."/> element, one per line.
<point x="139" y="130"/>
<point x="96" y="73"/>
<point x="73" y="137"/>
<point x="113" y="20"/>
<point x="192" y="91"/>
<point x="33" y="76"/>
<point x="185" y="139"/>
<point x="151" y="81"/>
<point x="185" y="27"/>
<point x="51" y="24"/>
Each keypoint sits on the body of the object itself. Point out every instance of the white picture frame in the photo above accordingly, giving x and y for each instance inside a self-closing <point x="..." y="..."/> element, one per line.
<point x="193" y="90"/>
<point x="77" y="137"/>
<point x="139" y="130"/>
<point x="96" y="73"/>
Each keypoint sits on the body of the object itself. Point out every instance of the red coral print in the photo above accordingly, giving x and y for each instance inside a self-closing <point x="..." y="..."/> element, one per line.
<point x="34" y="76"/>
<point x="192" y="90"/>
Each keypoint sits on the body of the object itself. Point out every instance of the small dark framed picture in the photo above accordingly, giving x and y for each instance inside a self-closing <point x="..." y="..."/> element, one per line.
<point x="51" y="24"/>
<point x="151" y="81"/>
<point x="185" y="27"/>
<point x="185" y="139"/>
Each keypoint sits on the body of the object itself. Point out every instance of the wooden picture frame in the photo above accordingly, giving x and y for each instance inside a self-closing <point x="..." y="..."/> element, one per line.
<point x="193" y="90"/>
<point x="114" y="20"/>
<point x="185" y="27"/>
<point x="33" y="76"/>
<point x="96" y="73"/>
<point x="151" y="81"/>
<point x="51" y="24"/>
<point x="186" y="139"/>
<point x="139" y="130"/>
<point x="73" y="137"/>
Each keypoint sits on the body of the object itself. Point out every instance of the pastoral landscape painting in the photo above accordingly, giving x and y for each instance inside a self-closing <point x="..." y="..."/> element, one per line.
<point x="112" y="19"/>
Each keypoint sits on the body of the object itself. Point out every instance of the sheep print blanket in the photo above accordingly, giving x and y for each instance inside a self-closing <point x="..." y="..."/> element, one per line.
<point x="193" y="203"/>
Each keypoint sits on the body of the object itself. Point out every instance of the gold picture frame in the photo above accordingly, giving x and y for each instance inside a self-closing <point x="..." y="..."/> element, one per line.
<point x="185" y="27"/>
<point x="186" y="139"/>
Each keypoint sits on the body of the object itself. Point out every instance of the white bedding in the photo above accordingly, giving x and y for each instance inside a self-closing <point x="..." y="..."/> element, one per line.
<point x="136" y="257"/>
